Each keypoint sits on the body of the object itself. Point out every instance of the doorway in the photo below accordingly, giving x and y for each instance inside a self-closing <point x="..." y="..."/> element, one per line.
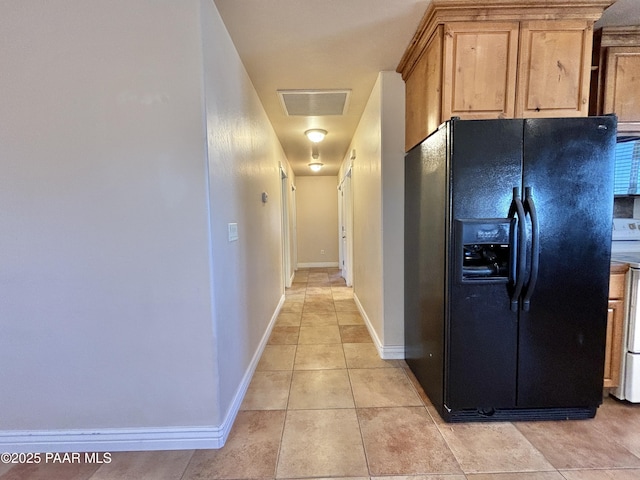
<point x="345" y="200"/>
<point x="286" y="242"/>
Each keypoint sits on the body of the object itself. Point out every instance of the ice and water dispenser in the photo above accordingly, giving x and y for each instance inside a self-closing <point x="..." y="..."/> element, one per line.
<point x="484" y="250"/>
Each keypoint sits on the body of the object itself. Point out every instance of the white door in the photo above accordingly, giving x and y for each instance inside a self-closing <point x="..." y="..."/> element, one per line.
<point x="346" y="228"/>
<point x="286" y="249"/>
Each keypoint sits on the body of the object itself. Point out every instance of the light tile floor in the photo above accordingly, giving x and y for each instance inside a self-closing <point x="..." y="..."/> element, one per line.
<point x="323" y="404"/>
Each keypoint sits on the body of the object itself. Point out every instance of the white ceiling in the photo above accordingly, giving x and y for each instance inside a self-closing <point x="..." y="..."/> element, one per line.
<point x="331" y="44"/>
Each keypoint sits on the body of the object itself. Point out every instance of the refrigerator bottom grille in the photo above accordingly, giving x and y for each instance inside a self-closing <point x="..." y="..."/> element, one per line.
<point x="519" y="414"/>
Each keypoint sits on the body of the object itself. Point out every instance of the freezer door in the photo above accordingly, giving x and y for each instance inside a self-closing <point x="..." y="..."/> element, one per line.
<point x="568" y="169"/>
<point x="481" y="332"/>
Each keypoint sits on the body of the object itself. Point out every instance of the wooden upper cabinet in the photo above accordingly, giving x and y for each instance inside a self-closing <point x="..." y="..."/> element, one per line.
<point x="555" y="69"/>
<point x="617" y="55"/>
<point x="498" y="59"/>
<point x="622" y="84"/>
<point x="423" y="112"/>
<point x="480" y="66"/>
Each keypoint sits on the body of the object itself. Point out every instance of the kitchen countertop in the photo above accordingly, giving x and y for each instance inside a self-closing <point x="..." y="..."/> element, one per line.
<point x="618" y="267"/>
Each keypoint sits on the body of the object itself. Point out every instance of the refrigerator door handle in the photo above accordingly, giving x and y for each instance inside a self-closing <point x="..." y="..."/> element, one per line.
<point x="520" y="241"/>
<point x="530" y="208"/>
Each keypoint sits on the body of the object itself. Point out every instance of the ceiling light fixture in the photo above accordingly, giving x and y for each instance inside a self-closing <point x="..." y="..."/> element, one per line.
<point x="315" y="134"/>
<point x="316" y="165"/>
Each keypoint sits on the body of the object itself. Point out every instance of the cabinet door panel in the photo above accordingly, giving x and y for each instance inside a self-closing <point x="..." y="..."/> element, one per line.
<point x="416" y="105"/>
<point x="613" y="353"/>
<point x="479" y="73"/>
<point x="622" y="83"/>
<point x="555" y="69"/>
<point x="434" y="82"/>
<point x="423" y="90"/>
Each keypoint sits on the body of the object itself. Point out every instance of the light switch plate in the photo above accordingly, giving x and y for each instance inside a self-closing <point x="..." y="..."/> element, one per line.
<point x="233" y="232"/>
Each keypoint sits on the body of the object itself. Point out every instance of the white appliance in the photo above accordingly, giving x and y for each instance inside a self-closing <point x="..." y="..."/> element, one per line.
<point x="626" y="248"/>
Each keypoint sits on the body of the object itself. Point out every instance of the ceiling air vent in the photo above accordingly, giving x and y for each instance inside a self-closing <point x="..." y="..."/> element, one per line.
<point x="314" y="103"/>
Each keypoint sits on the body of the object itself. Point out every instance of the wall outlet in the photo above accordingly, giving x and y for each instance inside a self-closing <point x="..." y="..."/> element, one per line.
<point x="321" y="252"/>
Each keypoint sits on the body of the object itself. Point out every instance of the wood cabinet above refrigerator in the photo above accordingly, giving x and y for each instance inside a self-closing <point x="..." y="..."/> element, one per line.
<point x="498" y="59"/>
<point x="617" y="80"/>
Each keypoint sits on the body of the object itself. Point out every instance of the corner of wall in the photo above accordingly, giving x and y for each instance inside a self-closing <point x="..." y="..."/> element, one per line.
<point x="392" y="112"/>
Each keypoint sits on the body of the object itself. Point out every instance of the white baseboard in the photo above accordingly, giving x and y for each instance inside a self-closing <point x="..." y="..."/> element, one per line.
<point x="232" y="412"/>
<point x="112" y="439"/>
<point x="318" y="265"/>
<point x="386" y="352"/>
<point x="137" y="439"/>
<point x="392" y="352"/>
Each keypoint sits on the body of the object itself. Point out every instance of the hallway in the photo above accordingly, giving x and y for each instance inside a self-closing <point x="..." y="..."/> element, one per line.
<point x="323" y="404"/>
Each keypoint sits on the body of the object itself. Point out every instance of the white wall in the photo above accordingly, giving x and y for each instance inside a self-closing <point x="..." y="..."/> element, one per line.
<point x="392" y="148"/>
<point x="244" y="156"/>
<point x="317" y="215"/>
<point x="124" y="311"/>
<point x="378" y="214"/>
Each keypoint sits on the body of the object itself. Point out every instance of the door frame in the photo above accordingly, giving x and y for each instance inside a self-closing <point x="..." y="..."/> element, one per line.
<point x="345" y="212"/>
<point x="286" y="234"/>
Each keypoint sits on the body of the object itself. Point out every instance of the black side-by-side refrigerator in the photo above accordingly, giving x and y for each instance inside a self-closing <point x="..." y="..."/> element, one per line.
<point x="507" y="249"/>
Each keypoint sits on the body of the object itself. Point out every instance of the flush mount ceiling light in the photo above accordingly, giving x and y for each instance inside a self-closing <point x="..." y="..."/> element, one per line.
<point x="315" y="134"/>
<point x="315" y="165"/>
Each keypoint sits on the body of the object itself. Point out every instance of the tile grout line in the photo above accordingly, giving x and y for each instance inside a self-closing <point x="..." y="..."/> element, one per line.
<point x="186" y="467"/>
<point x="286" y="410"/>
<point x="355" y="406"/>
